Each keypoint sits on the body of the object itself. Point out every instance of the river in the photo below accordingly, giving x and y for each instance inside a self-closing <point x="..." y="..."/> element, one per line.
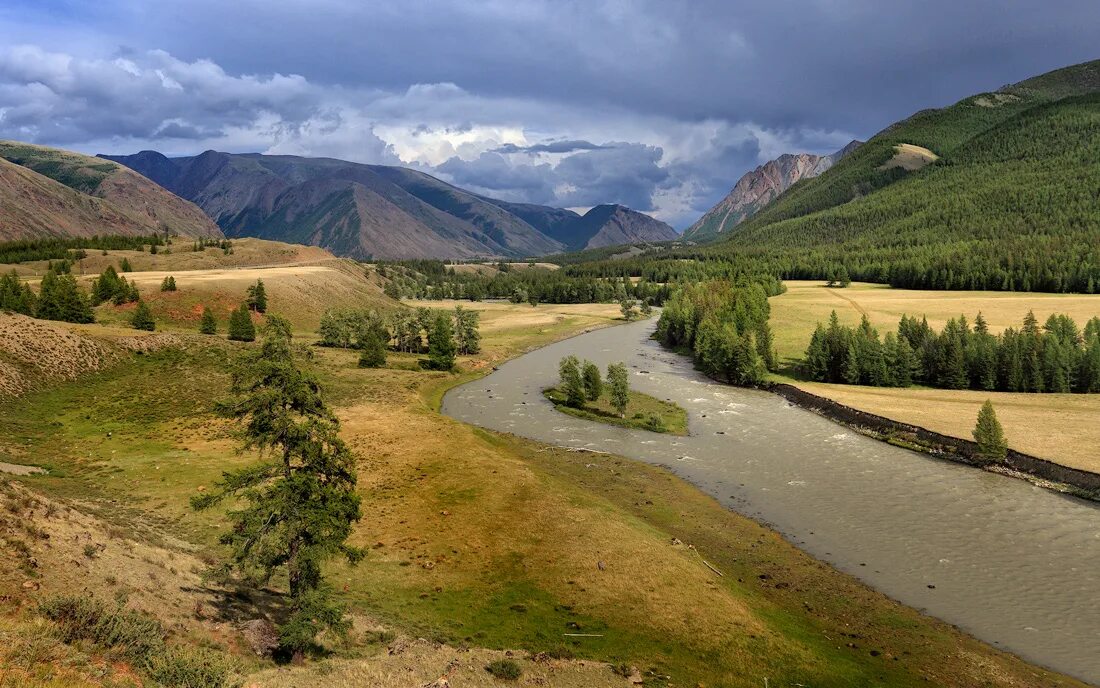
<point x="1016" y="565"/>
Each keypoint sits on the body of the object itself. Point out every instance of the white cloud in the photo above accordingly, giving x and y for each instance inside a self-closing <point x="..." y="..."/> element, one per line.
<point x="517" y="148"/>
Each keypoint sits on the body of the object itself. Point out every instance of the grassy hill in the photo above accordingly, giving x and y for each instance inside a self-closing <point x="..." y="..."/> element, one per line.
<point x="1003" y="197"/>
<point x="52" y="192"/>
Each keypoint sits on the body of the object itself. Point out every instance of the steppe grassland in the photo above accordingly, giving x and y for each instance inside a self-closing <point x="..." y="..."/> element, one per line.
<point x="1058" y="427"/>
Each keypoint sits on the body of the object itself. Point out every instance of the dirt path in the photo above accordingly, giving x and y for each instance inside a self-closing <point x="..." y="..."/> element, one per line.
<point x="851" y="302"/>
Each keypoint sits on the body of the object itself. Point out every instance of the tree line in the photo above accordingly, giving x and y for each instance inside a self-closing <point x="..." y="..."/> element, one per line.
<point x="1055" y="357"/>
<point x="441" y="334"/>
<point x="520" y="285"/>
<point x="724" y="328"/>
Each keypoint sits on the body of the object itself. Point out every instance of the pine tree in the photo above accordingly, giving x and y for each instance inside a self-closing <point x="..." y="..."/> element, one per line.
<point x="142" y="319"/>
<point x="241" y="328"/>
<point x="124" y="265"/>
<point x="372" y="350"/>
<point x="618" y="387"/>
<point x="989" y="434"/>
<point x="441" y="344"/>
<point x="15" y="296"/>
<point x="60" y="298"/>
<point x="593" y="385"/>
<point x="298" y="504"/>
<point x="168" y="284"/>
<point x="208" y="324"/>
<point x="257" y="297"/>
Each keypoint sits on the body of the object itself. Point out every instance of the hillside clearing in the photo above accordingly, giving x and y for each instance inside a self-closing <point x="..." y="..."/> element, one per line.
<point x="1058" y="427"/>
<point x="910" y="157"/>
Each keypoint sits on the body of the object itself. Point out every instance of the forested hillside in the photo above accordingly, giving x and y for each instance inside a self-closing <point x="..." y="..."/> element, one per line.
<point x="1010" y="203"/>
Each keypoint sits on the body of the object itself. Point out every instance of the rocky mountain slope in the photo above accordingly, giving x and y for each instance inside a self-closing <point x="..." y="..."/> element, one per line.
<point x="375" y="211"/>
<point x="52" y="192"/>
<point x="756" y="189"/>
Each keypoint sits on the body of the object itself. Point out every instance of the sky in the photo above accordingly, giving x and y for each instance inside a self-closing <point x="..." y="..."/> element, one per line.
<point x="658" y="105"/>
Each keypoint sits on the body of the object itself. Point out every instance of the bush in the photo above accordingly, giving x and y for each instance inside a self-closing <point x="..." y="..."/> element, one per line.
<point x="143" y="318"/>
<point x="190" y="668"/>
<point x="82" y="617"/>
<point x="504" y="669"/>
<point x="139" y="637"/>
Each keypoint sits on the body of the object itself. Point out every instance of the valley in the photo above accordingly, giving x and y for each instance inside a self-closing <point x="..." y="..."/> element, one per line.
<point x="384" y="362"/>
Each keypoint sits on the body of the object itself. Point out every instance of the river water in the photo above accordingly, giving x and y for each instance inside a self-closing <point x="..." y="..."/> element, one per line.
<point x="1015" y="565"/>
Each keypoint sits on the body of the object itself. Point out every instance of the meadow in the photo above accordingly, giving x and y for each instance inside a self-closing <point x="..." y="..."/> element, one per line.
<point x="1058" y="427"/>
<point x="475" y="539"/>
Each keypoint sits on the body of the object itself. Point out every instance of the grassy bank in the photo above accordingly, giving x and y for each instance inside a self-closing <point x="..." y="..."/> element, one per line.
<point x="475" y="538"/>
<point x="1057" y="427"/>
<point x="643" y="412"/>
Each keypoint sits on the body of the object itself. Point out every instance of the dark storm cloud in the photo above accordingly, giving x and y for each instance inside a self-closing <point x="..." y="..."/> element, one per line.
<point x="518" y="97"/>
<point x="551" y="147"/>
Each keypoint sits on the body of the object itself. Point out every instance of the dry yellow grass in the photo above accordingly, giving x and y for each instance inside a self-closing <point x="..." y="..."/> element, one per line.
<point x="910" y="157"/>
<point x="246" y="252"/>
<point x="420" y="663"/>
<point x="1058" y="427"/>
<point x="1064" y="428"/>
<point x="490" y="269"/>
<point x="490" y="541"/>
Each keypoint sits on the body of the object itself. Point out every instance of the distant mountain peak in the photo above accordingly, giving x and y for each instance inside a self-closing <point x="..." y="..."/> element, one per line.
<point x="757" y="188"/>
<point x="379" y="211"/>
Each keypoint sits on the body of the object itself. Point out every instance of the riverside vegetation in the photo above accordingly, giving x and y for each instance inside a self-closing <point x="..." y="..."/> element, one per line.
<point x="508" y="504"/>
<point x="581" y="392"/>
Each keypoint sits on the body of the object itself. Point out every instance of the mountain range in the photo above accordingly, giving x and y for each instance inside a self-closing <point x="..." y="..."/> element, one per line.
<point x="378" y="211"/>
<point x="760" y="187"/>
<point x="47" y="192"/>
<point x="997" y="191"/>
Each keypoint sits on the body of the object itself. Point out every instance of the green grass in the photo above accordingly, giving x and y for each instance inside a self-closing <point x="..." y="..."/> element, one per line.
<point x="643" y="412"/>
<point x="483" y="539"/>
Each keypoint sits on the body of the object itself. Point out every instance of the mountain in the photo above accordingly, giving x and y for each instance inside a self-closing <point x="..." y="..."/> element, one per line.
<point x="52" y="192"/>
<point x="997" y="191"/>
<point x="603" y="225"/>
<point x="374" y="211"/>
<point x="756" y="189"/>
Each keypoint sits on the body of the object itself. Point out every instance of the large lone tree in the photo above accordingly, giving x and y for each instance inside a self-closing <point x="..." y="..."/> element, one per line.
<point x="298" y="503"/>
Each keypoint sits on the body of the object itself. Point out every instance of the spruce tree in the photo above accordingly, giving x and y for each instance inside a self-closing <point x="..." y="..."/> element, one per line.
<point x="618" y="387"/>
<point x="208" y="324"/>
<point x="441" y="344"/>
<point x="295" y="508"/>
<point x="593" y="384"/>
<point x="142" y="319"/>
<point x="241" y="328"/>
<point x="989" y="434"/>
<point x="124" y="265"/>
<point x="168" y="284"/>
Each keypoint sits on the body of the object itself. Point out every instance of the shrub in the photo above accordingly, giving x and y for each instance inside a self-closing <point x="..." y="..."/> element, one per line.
<point x="189" y="668"/>
<point x="82" y="617"/>
<point x="208" y="324"/>
<point x="143" y="318"/>
<point x="504" y="669"/>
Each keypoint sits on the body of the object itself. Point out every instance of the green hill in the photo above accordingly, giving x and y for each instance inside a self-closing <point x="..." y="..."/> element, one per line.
<point x="1004" y="197"/>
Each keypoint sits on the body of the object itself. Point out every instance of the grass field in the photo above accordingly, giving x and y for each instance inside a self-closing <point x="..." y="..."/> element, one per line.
<point x="476" y="539"/>
<point x="1058" y="427"/>
<point x="641" y="408"/>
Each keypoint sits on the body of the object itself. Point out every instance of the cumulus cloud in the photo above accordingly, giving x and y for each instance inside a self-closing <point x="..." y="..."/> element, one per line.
<point x="657" y="104"/>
